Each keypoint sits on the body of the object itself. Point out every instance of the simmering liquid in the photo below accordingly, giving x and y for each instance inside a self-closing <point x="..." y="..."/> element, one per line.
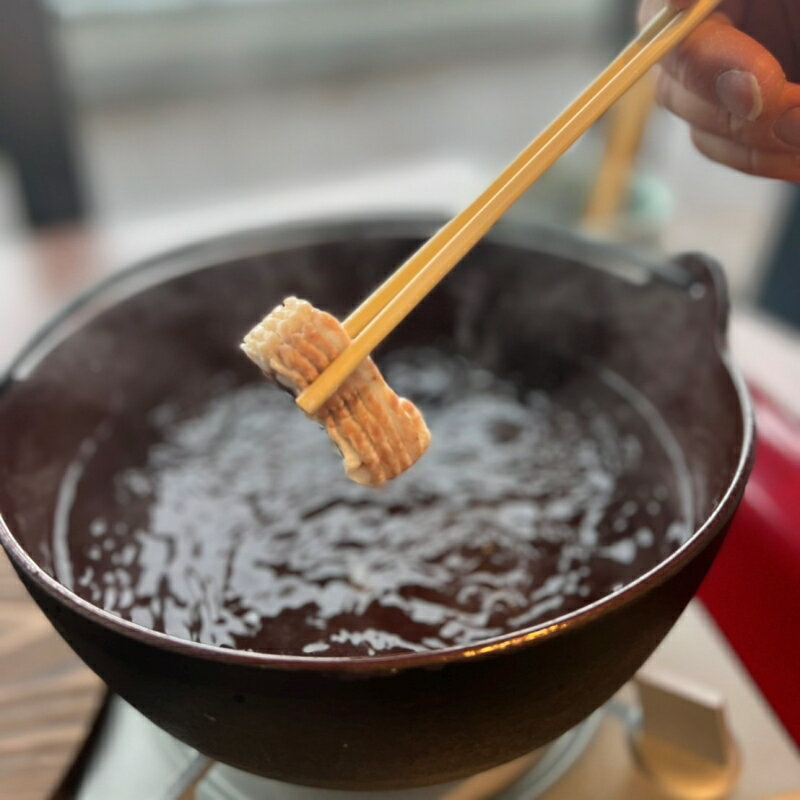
<point x="231" y="522"/>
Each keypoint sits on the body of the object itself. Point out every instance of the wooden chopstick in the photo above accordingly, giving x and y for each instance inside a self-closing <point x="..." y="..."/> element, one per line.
<point x="362" y="315"/>
<point x="377" y="317"/>
<point x="610" y="192"/>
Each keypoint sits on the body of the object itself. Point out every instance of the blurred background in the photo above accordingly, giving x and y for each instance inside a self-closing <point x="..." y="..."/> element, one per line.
<point x="156" y="121"/>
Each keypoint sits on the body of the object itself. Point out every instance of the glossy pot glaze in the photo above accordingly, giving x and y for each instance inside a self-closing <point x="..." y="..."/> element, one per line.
<point x="522" y="301"/>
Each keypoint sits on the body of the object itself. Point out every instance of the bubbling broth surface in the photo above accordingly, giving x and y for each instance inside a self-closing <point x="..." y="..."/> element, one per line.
<point x="230" y="522"/>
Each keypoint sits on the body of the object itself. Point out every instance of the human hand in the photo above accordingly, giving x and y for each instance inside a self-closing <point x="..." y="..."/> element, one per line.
<point x="735" y="81"/>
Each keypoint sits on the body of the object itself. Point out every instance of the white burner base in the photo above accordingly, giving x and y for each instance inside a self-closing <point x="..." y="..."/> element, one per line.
<point x="135" y="759"/>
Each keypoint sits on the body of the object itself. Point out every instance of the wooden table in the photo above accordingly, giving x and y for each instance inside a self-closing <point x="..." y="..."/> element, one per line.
<point x="47" y="697"/>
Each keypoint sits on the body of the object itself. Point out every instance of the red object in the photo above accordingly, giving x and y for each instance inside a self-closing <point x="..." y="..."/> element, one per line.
<point x="753" y="589"/>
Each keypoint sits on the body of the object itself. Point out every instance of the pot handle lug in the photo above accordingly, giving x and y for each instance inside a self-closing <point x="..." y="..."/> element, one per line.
<point x="697" y="274"/>
<point x="708" y="286"/>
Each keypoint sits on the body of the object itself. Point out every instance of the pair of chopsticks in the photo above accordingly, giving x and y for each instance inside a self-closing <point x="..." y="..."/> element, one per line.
<point x="391" y="302"/>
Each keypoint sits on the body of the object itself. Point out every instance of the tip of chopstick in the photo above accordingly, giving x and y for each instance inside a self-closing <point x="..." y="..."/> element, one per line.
<point x="307" y="402"/>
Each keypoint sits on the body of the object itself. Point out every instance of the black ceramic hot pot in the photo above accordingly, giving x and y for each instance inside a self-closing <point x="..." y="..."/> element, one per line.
<point x="392" y="721"/>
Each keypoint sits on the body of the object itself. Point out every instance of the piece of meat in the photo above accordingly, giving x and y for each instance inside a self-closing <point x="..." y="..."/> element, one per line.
<point x="378" y="433"/>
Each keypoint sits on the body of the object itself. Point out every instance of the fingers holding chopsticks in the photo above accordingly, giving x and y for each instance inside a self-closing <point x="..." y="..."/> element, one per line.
<point x="733" y="92"/>
<point x="748" y="116"/>
<point x="724" y="66"/>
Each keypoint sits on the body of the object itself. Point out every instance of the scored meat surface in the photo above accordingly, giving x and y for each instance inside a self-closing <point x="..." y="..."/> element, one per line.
<point x="378" y="433"/>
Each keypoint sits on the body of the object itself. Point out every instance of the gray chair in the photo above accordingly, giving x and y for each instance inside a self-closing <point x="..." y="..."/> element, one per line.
<point x="35" y="128"/>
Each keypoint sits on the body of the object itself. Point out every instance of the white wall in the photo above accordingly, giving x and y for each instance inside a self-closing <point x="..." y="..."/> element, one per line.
<point x="114" y="55"/>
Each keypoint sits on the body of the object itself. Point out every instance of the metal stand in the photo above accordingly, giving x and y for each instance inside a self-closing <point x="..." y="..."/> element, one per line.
<point x="187" y="782"/>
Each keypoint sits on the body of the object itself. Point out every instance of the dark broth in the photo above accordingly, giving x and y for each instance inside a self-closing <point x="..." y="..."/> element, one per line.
<point x="231" y="523"/>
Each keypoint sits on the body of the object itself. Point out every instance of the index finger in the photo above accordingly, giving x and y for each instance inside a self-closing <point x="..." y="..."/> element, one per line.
<point x="723" y="65"/>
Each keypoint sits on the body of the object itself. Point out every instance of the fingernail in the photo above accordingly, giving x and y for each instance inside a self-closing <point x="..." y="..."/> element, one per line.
<point x="740" y="93"/>
<point x="787" y="128"/>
